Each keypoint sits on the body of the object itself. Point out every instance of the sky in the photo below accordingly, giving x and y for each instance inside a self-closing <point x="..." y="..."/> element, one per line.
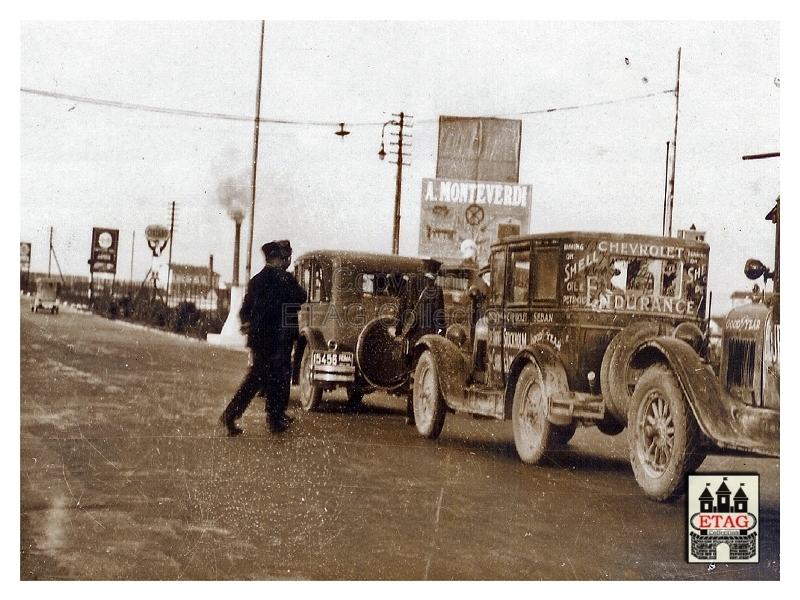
<point x="121" y="119"/>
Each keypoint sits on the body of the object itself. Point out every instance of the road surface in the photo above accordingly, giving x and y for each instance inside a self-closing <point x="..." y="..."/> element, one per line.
<point x="125" y="474"/>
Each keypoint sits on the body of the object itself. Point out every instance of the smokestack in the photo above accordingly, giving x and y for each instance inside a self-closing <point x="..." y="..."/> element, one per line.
<point x="236" y="244"/>
<point x="232" y="194"/>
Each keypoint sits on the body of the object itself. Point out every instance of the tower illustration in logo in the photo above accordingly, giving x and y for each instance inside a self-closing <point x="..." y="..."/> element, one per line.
<point x="723" y="525"/>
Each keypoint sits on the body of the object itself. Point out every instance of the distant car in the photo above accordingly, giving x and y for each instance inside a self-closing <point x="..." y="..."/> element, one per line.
<point x="353" y="298"/>
<point x="46" y="297"/>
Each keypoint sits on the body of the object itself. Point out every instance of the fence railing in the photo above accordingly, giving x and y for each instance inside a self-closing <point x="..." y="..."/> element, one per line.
<point x="193" y="310"/>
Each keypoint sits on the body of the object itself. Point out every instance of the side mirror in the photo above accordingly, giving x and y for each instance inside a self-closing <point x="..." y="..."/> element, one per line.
<point x="754" y="268"/>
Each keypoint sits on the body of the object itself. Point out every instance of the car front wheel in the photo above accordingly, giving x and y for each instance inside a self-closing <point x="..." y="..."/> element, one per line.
<point x="429" y="406"/>
<point x="665" y="439"/>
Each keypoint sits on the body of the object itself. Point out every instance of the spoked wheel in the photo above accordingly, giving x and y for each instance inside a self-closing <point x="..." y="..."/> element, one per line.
<point x="310" y="394"/>
<point x="665" y="439"/>
<point x="532" y="430"/>
<point x="429" y="406"/>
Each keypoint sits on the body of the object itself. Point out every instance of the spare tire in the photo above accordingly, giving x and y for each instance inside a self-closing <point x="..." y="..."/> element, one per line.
<point x="381" y="355"/>
<point x="617" y="377"/>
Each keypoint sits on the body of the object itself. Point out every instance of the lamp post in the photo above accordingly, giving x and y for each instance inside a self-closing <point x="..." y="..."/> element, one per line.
<point x="399" y="181"/>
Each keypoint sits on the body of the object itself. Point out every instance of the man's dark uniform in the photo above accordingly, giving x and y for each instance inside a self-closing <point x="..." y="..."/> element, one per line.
<point x="269" y="317"/>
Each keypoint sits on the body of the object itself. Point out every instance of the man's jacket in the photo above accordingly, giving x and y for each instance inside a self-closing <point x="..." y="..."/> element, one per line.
<point x="269" y="310"/>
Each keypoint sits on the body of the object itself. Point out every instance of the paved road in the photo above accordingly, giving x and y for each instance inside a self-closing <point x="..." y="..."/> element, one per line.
<point x="126" y="475"/>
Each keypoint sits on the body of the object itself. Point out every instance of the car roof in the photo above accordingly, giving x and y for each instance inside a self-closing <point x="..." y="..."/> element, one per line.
<point x="367" y="260"/>
<point x="568" y="236"/>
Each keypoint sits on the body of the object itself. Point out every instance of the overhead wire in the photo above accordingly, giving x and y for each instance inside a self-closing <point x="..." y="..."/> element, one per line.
<point x="213" y="115"/>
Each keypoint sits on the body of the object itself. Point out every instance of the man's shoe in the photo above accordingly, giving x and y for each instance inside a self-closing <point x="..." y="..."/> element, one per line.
<point x="277" y="425"/>
<point x="286" y="418"/>
<point x="231" y="427"/>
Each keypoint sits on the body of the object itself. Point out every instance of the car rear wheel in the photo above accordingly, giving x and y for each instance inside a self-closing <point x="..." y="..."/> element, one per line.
<point x="532" y="430"/>
<point x="310" y="394"/>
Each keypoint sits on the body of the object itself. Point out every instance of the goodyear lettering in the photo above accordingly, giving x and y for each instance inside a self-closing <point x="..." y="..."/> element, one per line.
<point x="743" y="324"/>
<point x="546" y="336"/>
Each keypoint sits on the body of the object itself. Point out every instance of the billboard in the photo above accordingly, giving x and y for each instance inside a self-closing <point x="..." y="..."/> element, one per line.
<point x="24" y="256"/>
<point x="104" y="250"/>
<point x="458" y="215"/>
<point x="479" y="149"/>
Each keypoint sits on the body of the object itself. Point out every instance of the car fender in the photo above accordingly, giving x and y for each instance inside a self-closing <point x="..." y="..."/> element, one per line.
<point x="309" y="337"/>
<point x="554" y="374"/>
<point x="724" y="420"/>
<point x="452" y="368"/>
<point x="615" y="367"/>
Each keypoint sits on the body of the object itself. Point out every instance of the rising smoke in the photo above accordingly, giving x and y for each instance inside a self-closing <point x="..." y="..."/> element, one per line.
<point x="233" y="189"/>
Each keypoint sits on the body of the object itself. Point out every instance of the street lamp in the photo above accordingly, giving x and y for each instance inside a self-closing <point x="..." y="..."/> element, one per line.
<point x="399" y="181"/>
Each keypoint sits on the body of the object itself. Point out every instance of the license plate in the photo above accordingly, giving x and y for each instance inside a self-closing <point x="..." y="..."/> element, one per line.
<point x="333" y="359"/>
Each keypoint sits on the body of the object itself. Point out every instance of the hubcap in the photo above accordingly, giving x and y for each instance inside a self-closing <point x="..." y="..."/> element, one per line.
<point x="426" y="395"/>
<point x="658" y="433"/>
<point x="530" y="408"/>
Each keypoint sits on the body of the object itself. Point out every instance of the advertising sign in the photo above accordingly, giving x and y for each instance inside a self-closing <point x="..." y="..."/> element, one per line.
<point x="104" y="250"/>
<point x="24" y="256"/>
<point x="633" y="275"/>
<point x="479" y="149"/>
<point x="458" y="215"/>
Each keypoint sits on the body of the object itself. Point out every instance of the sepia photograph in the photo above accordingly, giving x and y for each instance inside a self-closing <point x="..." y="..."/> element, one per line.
<point x="399" y="299"/>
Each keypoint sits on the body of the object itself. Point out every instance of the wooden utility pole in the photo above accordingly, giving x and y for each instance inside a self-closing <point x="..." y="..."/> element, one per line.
<point x="255" y="157"/>
<point x="671" y="201"/>
<point x="398" y="189"/>
<point x="169" y="260"/>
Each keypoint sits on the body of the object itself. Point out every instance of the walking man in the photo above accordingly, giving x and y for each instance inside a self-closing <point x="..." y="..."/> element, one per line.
<point x="269" y="319"/>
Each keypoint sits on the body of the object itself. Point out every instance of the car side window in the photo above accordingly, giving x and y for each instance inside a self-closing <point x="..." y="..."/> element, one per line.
<point x="518" y="292"/>
<point x="498" y="272"/>
<point x="545" y="275"/>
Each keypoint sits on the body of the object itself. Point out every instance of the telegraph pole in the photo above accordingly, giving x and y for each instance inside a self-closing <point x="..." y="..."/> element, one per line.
<point x="169" y="260"/>
<point x="671" y="202"/>
<point x="398" y="188"/>
<point x="401" y="124"/>
<point x="255" y="156"/>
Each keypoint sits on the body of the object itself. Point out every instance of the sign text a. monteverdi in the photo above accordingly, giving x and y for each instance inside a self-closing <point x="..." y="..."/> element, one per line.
<point x="455" y="212"/>
<point x="476" y="192"/>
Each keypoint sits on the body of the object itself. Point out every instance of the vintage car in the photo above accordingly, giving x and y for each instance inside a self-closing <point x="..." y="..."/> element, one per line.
<point x="46" y="297"/>
<point x="563" y="342"/>
<point x="347" y="291"/>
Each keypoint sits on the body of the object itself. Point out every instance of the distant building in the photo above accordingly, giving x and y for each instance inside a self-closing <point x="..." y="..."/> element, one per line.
<point x="195" y="284"/>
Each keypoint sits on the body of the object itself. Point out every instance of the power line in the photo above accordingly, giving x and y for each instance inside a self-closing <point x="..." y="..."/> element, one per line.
<point x="600" y="103"/>
<point x="212" y="115"/>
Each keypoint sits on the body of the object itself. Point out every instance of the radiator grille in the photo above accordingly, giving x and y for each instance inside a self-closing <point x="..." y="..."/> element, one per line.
<point x="741" y="362"/>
